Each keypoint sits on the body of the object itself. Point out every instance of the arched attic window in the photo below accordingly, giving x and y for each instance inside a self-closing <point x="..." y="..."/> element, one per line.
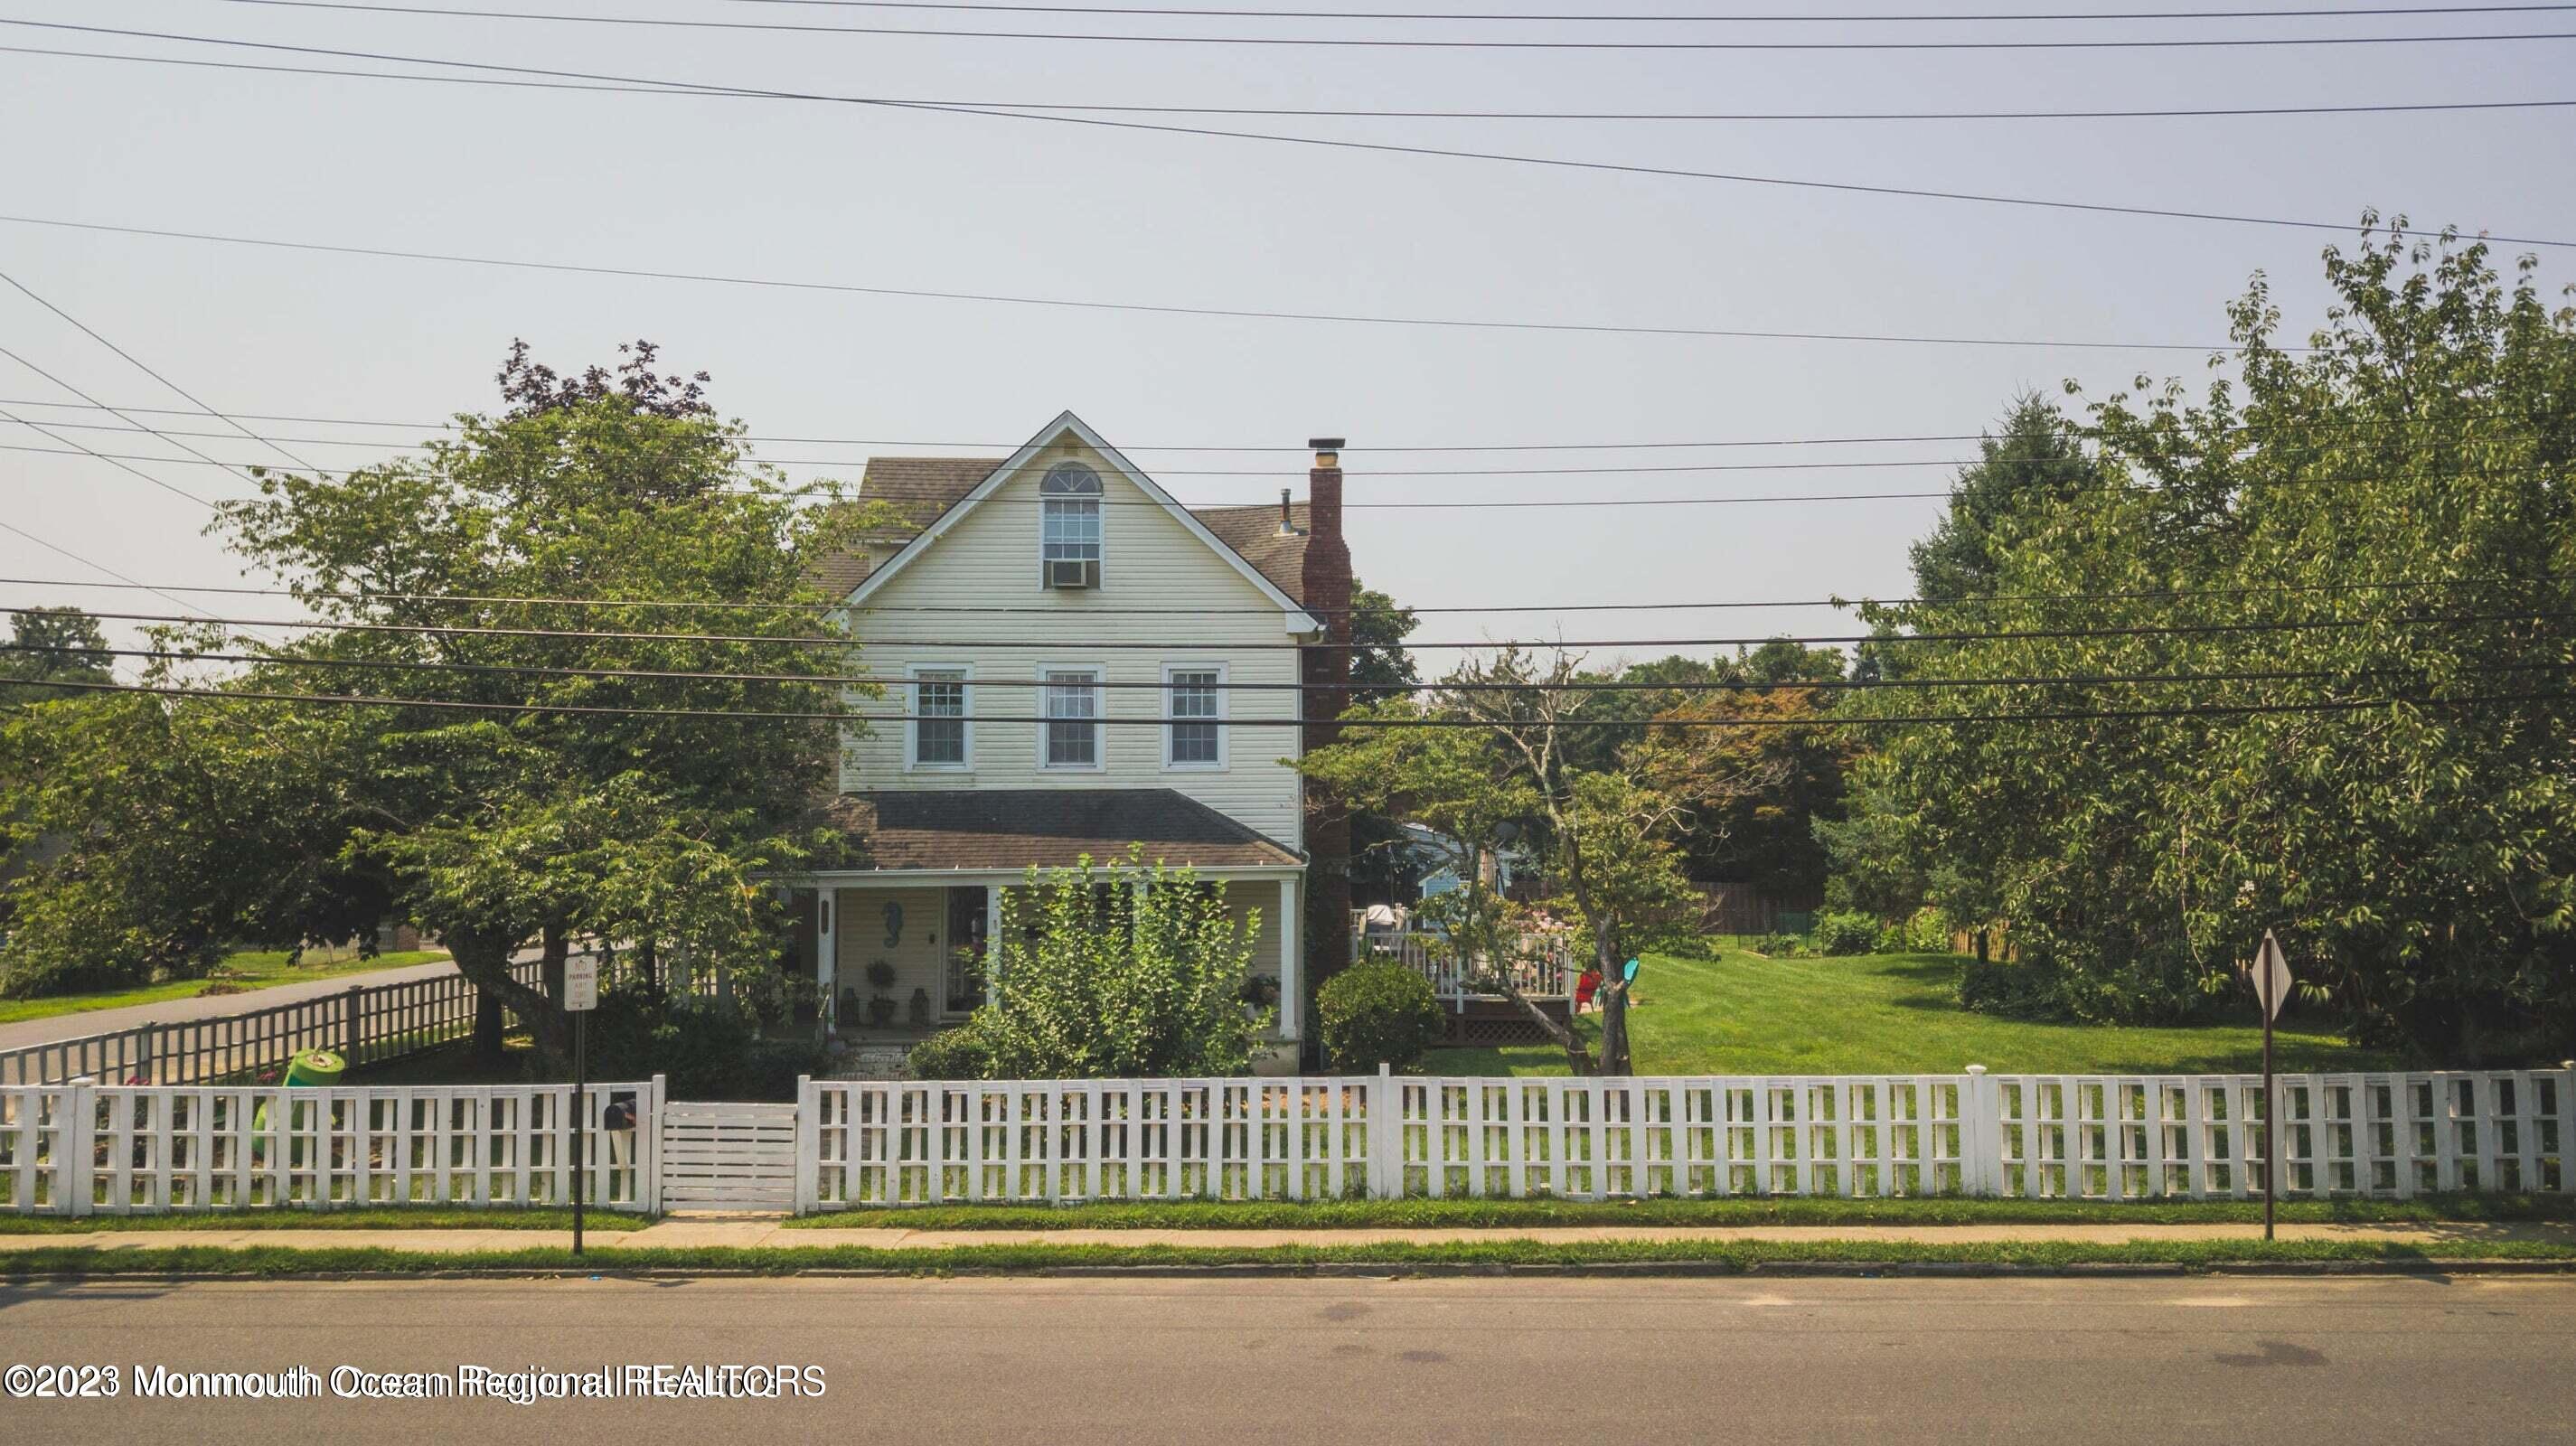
<point x="1069" y="536"/>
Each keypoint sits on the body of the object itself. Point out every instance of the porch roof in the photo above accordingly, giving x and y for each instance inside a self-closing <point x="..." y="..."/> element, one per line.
<point x="1014" y="828"/>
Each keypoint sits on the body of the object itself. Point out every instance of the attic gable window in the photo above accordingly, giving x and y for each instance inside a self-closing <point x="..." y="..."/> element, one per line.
<point x="1069" y="535"/>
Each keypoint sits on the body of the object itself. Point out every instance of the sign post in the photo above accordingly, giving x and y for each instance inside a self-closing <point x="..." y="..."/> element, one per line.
<point x="2271" y="986"/>
<point x="581" y="996"/>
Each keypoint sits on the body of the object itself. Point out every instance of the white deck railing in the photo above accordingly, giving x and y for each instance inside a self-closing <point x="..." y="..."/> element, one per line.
<point x="1541" y="966"/>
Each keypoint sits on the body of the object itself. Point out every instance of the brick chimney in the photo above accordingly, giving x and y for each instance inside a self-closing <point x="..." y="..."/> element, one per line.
<point x="1326" y="672"/>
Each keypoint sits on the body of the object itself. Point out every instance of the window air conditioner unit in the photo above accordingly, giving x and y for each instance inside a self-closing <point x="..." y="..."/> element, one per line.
<point x="1073" y="572"/>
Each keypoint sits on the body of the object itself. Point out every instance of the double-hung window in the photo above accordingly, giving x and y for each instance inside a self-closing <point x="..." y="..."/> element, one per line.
<point x="1071" y="707"/>
<point x="1069" y="526"/>
<point x="939" y="719"/>
<point x="1194" y="716"/>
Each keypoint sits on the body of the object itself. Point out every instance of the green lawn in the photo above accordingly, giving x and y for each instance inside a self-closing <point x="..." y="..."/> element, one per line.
<point x="1888" y="1014"/>
<point x="250" y="971"/>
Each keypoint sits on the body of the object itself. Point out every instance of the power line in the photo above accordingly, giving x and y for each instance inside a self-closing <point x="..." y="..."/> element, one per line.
<point x="887" y="682"/>
<point x="1481" y="504"/>
<point x="789" y="715"/>
<point x="2302" y="427"/>
<point x="139" y="365"/>
<point x="1555" y="644"/>
<point x="1379" y="147"/>
<point x="1363" y="472"/>
<point x="1076" y="304"/>
<point x="121" y="579"/>
<point x="1399" y="42"/>
<point x="1334" y="112"/>
<point x="818" y="609"/>
<point x="1808" y="18"/>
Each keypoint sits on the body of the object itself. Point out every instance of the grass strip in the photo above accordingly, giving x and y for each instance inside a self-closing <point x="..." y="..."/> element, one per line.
<point x="433" y="1218"/>
<point x="255" y="1261"/>
<point x="1504" y="1214"/>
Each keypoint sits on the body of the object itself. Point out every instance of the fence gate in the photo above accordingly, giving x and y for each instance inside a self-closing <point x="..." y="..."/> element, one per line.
<point x="718" y="1156"/>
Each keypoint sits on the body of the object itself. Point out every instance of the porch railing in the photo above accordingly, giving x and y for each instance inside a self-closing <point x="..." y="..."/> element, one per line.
<point x="1540" y="966"/>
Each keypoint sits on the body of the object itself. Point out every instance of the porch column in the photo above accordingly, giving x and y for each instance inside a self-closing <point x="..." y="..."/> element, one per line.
<point x="1292" y="1003"/>
<point x="827" y="953"/>
<point x="992" y="937"/>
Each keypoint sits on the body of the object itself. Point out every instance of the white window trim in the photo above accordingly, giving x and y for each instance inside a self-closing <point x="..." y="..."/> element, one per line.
<point x="1099" y="719"/>
<point x="912" y="707"/>
<point x="1224" y="711"/>
<point x="1101" y="498"/>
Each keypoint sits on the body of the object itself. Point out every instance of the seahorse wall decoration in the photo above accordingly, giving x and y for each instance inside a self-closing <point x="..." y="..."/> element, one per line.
<point x="894" y="925"/>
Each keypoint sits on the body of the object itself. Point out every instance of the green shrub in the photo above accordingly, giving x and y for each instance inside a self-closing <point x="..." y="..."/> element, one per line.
<point x="960" y="1052"/>
<point x="1778" y="946"/>
<point x="1377" y="1012"/>
<point x="1849" y="932"/>
<point x="710" y="1049"/>
<point x="1096" y="977"/>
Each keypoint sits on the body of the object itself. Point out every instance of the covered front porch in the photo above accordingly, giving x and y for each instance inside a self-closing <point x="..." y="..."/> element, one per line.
<point x="900" y="950"/>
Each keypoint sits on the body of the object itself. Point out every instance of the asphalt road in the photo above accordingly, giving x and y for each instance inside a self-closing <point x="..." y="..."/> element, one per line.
<point x="1338" y="1362"/>
<point x="170" y="1011"/>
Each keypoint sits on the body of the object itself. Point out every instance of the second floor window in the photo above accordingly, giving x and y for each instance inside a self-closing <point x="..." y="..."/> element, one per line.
<point x="1072" y="711"/>
<point x="1195" y="705"/>
<point x="1069" y="529"/>
<point x="939" y="718"/>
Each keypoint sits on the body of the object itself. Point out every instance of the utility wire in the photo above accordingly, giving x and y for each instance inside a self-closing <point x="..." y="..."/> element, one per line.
<point x="1096" y="645"/>
<point x="1334" y="112"/>
<point x="789" y="715"/>
<point x="1076" y="304"/>
<point x="139" y="365"/>
<point x="1790" y="18"/>
<point x="121" y="579"/>
<point x="1397" y="42"/>
<point x="2302" y="427"/>
<point x="819" y="609"/>
<point x="817" y="492"/>
<point x="898" y="683"/>
<point x="1268" y="137"/>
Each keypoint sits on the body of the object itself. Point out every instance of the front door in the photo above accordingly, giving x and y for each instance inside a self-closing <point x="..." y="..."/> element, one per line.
<point x="965" y="962"/>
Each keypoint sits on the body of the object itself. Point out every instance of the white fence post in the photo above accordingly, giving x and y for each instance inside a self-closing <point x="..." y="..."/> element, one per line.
<point x="1981" y="1134"/>
<point x="76" y="1147"/>
<point x="809" y="1144"/>
<point x="1385" y="1136"/>
<point x="648" y="1143"/>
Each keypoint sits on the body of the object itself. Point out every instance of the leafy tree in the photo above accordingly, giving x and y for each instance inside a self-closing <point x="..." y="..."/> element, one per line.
<point x="2391" y="793"/>
<point x="1130" y="971"/>
<point x="2036" y="463"/>
<point x="1754" y="795"/>
<point x="1379" y="663"/>
<point x="1481" y="786"/>
<point x="52" y="642"/>
<point x="540" y="563"/>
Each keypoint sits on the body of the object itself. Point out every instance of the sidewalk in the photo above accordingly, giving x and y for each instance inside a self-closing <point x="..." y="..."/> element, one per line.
<point x="695" y="1233"/>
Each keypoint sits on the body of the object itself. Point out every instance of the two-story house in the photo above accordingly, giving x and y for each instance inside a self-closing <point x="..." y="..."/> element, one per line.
<point x="1078" y="663"/>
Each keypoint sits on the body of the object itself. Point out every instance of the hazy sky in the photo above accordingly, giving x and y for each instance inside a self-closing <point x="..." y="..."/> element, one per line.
<point x="908" y="199"/>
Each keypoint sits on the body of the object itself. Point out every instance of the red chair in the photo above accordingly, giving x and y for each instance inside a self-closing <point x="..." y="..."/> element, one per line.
<point x="1585" y="988"/>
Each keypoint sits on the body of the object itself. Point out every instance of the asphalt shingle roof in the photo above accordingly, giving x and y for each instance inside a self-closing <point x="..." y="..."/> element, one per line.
<point x="1013" y="828"/>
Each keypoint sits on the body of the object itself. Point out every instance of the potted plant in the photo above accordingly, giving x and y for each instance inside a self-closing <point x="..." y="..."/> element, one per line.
<point x="918" y="1012"/>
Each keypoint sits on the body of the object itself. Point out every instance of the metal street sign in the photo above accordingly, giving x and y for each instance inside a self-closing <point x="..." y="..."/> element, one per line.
<point x="581" y="985"/>
<point x="2271" y="976"/>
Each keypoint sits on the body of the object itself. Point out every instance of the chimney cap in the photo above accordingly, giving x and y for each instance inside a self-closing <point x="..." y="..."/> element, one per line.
<point x="1325" y="444"/>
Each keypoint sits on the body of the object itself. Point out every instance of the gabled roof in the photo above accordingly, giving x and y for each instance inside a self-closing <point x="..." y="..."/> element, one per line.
<point x="1253" y="532"/>
<point x="920" y="488"/>
<point x="917" y="483"/>
<point x="1014" y="828"/>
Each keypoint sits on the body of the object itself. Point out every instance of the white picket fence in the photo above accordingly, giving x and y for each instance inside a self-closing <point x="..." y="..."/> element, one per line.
<point x="86" y="1149"/>
<point x="83" y="1148"/>
<point x="1540" y="966"/>
<point x="865" y="1144"/>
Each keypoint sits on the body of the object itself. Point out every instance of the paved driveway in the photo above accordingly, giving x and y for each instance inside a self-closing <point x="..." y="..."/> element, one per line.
<point x="108" y="1021"/>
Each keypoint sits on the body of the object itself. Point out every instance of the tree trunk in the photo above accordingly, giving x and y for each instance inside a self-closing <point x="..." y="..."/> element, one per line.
<point x="1614" y="1002"/>
<point x="486" y="962"/>
<point x="488" y="1032"/>
<point x="554" y="950"/>
<point x="648" y="962"/>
